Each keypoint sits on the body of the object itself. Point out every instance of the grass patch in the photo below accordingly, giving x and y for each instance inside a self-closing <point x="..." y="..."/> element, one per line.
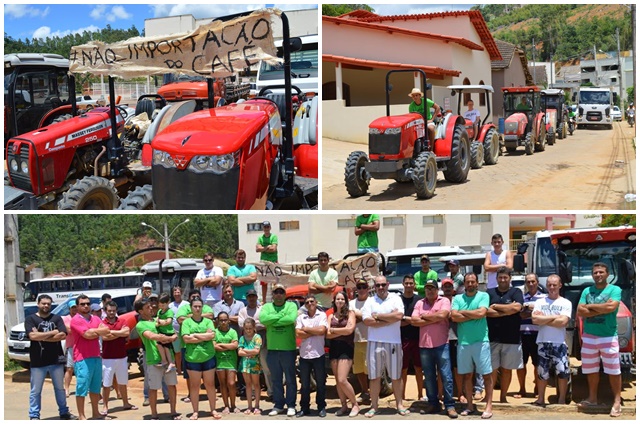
<point x="10" y="364"/>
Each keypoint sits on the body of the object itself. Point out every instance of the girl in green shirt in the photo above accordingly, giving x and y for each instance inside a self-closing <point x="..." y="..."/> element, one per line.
<point x="226" y="345"/>
<point x="198" y="333"/>
<point x="249" y="352"/>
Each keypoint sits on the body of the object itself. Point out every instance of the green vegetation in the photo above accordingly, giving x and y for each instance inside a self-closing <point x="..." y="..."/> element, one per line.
<point x="341" y="9"/>
<point x="10" y="364"/>
<point x="81" y="244"/>
<point x="619" y="219"/>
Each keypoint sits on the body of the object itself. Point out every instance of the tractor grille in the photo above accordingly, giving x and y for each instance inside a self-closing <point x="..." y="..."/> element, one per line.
<point x="384" y="144"/>
<point x="174" y="189"/>
<point x="19" y="179"/>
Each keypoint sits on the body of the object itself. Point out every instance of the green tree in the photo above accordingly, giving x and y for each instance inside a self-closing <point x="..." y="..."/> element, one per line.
<point x="618" y="219"/>
<point x="341" y="9"/>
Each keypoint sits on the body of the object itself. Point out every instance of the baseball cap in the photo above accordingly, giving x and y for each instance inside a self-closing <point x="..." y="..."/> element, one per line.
<point x="153" y="296"/>
<point x="266" y="224"/>
<point x="447" y="281"/>
<point x="147" y="284"/>
<point x="433" y="283"/>
<point x="251" y="293"/>
<point x="425" y="257"/>
<point x="72" y="303"/>
<point x="95" y="307"/>
<point x="278" y="286"/>
<point x="453" y="262"/>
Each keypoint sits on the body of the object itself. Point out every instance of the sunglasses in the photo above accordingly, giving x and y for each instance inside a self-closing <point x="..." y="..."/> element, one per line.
<point x="309" y="302"/>
<point x="207" y="260"/>
<point x="84" y="304"/>
<point x="380" y="286"/>
<point x="278" y="292"/>
<point x="362" y="287"/>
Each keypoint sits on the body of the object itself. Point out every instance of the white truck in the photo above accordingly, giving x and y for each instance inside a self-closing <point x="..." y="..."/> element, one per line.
<point x="595" y="105"/>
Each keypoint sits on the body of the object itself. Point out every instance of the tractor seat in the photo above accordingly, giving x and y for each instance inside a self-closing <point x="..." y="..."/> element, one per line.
<point x="280" y="100"/>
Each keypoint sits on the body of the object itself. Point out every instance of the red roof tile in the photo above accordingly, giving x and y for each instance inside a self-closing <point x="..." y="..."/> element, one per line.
<point x="391" y="29"/>
<point x="475" y="16"/>
<point x="433" y="72"/>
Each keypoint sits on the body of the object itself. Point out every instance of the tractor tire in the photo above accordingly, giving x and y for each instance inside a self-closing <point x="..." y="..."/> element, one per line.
<point x="355" y="176"/>
<point x="528" y="145"/>
<point x="477" y="155"/>
<point x="552" y="140"/>
<point x="145" y="105"/>
<point x="541" y="142"/>
<point x="425" y="175"/>
<point x="491" y="147"/>
<point x="141" y="198"/>
<point x="90" y="193"/>
<point x="460" y="162"/>
<point x="564" y="130"/>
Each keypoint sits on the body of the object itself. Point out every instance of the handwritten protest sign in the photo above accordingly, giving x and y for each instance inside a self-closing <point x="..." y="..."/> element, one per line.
<point x="218" y="49"/>
<point x="293" y="274"/>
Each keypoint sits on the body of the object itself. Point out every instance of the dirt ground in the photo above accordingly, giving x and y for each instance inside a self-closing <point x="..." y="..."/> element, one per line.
<point x="16" y="396"/>
<point x="592" y="169"/>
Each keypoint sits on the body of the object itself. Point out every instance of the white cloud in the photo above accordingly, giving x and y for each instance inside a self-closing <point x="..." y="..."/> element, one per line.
<point x="118" y="13"/>
<point x="45" y="31"/>
<point x="414" y="9"/>
<point x="18" y="11"/>
<point x="98" y="12"/>
<point x="200" y="11"/>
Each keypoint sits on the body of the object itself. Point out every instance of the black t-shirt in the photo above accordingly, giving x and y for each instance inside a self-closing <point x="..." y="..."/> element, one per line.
<point x="42" y="354"/>
<point x="505" y="329"/>
<point x="409" y="331"/>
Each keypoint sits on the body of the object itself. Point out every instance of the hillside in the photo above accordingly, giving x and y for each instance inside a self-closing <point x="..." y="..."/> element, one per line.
<point x="560" y="31"/>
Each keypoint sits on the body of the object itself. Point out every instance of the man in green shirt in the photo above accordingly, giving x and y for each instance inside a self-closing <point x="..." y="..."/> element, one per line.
<point x="524" y="104"/>
<point x="425" y="274"/>
<point x="241" y="276"/>
<point x="279" y="318"/>
<point x="366" y="229"/>
<point x="267" y="246"/>
<point x="418" y="106"/>
<point x="323" y="281"/>
<point x="150" y="338"/>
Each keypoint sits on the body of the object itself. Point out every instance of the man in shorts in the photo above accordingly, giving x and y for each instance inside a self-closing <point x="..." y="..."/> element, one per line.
<point x="114" y="357"/>
<point x="552" y="314"/>
<point x="599" y="306"/>
<point x="409" y="334"/>
<point x="503" y="319"/>
<point x="87" y="329"/>
<point x="528" y="332"/>
<point x="155" y="375"/>
<point x="469" y="310"/>
<point x="361" y="335"/>
<point x="382" y="313"/>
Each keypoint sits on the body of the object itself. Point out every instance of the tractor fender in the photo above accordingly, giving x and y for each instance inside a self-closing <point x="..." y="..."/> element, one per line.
<point x="484" y="130"/>
<point x="306" y="160"/>
<point x="443" y="144"/>
<point x="52" y="114"/>
<point x="539" y="123"/>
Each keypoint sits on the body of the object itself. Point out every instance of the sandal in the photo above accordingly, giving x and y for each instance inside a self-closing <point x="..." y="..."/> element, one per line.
<point x="403" y="412"/>
<point x="342" y="411"/>
<point x="257" y="411"/>
<point x="186" y="399"/>
<point x="225" y="411"/>
<point x="130" y="407"/>
<point x="355" y="411"/>
<point x="216" y="415"/>
<point x="236" y="410"/>
<point x="615" y="412"/>
<point x="248" y="411"/>
<point x="194" y="416"/>
<point x="468" y="412"/>
<point x="486" y="415"/>
<point x="541" y="405"/>
<point x="371" y="413"/>
<point x="176" y="416"/>
<point x="587" y="404"/>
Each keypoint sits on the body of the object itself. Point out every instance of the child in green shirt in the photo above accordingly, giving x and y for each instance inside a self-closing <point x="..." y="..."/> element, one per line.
<point x="164" y="324"/>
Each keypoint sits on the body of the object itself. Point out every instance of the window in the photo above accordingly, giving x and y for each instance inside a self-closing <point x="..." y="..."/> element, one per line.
<point x="432" y="219"/>
<point x="397" y="221"/>
<point x="346" y="223"/>
<point x="255" y="226"/>
<point x="289" y="225"/>
<point x="483" y="96"/>
<point x="466" y="96"/>
<point x="482" y="217"/>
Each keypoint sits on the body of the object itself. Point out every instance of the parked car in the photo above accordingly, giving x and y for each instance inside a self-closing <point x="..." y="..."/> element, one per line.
<point x="86" y="102"/>
<point x="616" y="114"/>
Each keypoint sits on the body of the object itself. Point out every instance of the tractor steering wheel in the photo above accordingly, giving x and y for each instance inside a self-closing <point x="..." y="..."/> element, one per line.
<point x="123" y="111"/>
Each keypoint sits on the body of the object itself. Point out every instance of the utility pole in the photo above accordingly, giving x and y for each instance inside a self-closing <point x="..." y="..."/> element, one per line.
<point x="620" y="77"/>
<point x="533" y="55"/>
<point x="596" y="67"/>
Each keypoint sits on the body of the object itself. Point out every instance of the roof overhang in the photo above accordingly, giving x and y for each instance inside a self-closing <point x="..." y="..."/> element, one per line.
<point x="432" y="72"/>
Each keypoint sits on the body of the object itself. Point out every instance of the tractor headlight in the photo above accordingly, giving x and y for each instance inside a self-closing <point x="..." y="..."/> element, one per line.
<point x="163" y="159"/>
<point x="24" y="167"/>
<point x="623" y="342"/>
<point x="13" y="164"/>
<point x="374" y="131"/>
<point x="217" y="164"/>
<point x="392" y="131"/>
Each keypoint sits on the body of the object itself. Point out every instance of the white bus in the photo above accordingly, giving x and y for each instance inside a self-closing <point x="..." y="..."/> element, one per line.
<point x="304" y="68"/>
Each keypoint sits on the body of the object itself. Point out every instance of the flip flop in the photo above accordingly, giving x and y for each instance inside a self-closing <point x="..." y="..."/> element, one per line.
<point x="518" y="396"/>
<point x="130" y="408"/>
<point x="194" y="416"/>
<point x="536" y="403"/>
<point x="104" y="413"/>
<point x="486" y="415"/>
<point x="586" y="404"/>
<point x="248" y="411"/>
<point x="186" y="399"/>
<point x="216" y="415"/>
<point x="468" y="412"/>
<point x="176" y="416"/>
<point x="615" y="412"/>
<point x="257" y="412"/>
<point x="403" y="412"/>
<point x="371" y="413"/>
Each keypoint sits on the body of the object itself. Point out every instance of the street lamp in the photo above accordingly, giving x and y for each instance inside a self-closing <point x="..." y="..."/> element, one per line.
<point x="166" y="237"/>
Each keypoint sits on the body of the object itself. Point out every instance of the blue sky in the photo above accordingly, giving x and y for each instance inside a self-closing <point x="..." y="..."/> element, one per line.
<point x="48" y="20"/>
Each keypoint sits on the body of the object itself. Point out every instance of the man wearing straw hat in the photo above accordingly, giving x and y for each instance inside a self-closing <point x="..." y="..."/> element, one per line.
<point x="417" y="106"/>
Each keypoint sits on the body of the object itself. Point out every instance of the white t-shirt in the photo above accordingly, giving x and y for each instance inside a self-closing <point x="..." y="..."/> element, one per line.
<point x="472" y="115"/>
<point x="361" y="332"/>
<point x="389" y="333"/>
<point x="559" y="306"/>
<point x="174" y="307"/>
<point x="210" y="294"/>
<point x="492" y="277"/>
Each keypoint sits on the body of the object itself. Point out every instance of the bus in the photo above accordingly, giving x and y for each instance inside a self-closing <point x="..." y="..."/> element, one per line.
<point x="63" y="288"/>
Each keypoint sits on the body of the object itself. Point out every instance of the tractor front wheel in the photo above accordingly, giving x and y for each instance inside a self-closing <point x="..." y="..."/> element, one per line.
<point x="356" y="178"/>
<point x="425" y="175"/>
<point x="460" y="162"/>
<point x="141" y="198"/>
<point x="528" y="145"/>
<point x="551" y="140"/>
<point x="541" y="142"/>
<point x="491" y="147"/>
<point x="90" y="193"/>
<point x="477" y="155"/>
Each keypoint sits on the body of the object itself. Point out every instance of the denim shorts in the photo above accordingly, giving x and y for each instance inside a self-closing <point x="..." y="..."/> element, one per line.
<point x="201" y="366"/>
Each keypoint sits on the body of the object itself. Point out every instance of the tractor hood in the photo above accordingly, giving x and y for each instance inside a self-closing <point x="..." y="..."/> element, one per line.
<point x="517" y="117"/>
<point x="185" y="90"/>
<point x="215" y="131"/>
<point x="397" y="121"/>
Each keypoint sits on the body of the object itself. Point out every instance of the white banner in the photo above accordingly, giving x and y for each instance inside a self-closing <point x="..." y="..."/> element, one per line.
<point x="218" y="49"/>
<point x="293" y="274"/>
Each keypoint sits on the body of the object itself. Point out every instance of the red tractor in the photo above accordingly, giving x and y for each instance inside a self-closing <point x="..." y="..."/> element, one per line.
<point x="484" y="137"/>
<point x="400" y="149"/>
<point x="525" y="122"/>
<point x="553" y="103"/>
<point x="177" y="88"/>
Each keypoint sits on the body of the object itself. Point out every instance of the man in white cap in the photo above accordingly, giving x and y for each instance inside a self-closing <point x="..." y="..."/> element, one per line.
<point x="147" y="287"/>
<point x="418" y="106"/>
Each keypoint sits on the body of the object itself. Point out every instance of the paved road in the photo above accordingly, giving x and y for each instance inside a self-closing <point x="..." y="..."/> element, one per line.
<point x="591" y="170"/>
<point x="16" y="396"/>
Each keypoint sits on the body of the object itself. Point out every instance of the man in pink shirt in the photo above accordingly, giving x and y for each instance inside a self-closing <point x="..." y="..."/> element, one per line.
<point x="87" y="329"/>
<point x="68" y="342"/>
<point x="431" y="314"/>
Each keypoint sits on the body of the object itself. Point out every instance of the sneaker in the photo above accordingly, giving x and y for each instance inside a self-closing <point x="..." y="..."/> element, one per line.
<point x="276" y="411"/>
<point x="68" y="416"/>
<point x="451" y="413"/>
<point x="322" y="413"/>
<point x="291" y="412"/>
<point x="146" y="402"/>
<point x="301" y="413"/>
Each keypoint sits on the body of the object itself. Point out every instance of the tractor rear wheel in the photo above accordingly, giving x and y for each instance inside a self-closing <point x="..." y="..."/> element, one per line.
<point x="552" y="139"/>
<point x="460" y="162"/>
<point x="425" y="175"/>
<point x="528" y="145"/>
<point x="92" y="193"/>
<point x="491" y="147"/>
<point x="141" y="198"/>
<point x="541" y="142"/>
<point x="477" y="155"/>
<point x="356" y="178"/>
